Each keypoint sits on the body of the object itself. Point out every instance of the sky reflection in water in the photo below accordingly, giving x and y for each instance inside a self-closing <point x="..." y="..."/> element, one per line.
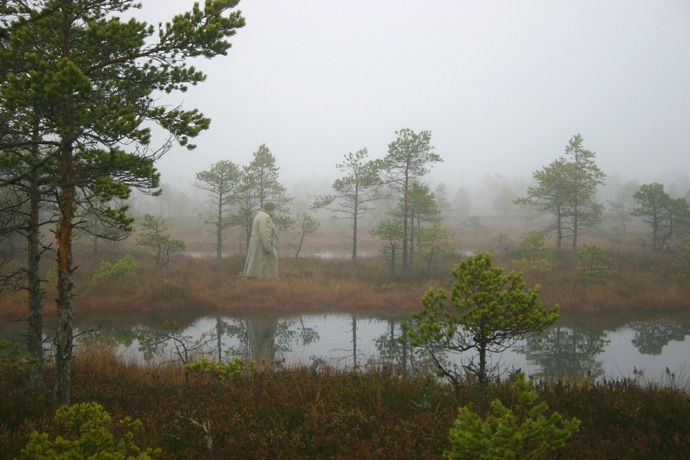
<point x="610" y="346"/>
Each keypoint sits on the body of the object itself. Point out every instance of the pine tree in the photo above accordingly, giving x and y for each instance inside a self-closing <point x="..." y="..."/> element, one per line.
<point x="84" y="86"/>
<point x="354" y="193"/>
<point x="259" y="183"/>
<point x="221" y="181"/>
<point x="488" y="313"/>
<point x="409" y="158"/>
<point x="566" y="189"/>
<point x="665" y="216"/>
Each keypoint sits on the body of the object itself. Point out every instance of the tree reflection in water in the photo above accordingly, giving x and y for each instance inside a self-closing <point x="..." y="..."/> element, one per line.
<point x="390" y="350"/>
<point x="294" y="333"/>
<point x="651" y="337"/>
<point x="352" y="352"/>
<point x="394" y="350"/>
<point x="175" y="339"/>
<point x="566" y="353"/>
<point x="237" y="331"/>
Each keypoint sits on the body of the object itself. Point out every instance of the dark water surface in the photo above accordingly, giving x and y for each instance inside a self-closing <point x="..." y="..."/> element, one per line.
<point x="601" y="345"/>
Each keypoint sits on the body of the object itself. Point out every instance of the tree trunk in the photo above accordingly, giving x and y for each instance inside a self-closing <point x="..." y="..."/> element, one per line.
<point x="354" y="232"/>
<point x="559" y="231"/>
<point x="219" y="229"/>
<point x="392" y="266"/>
<point x="299" y="246"/>
<point x="35" y="334"/>
<point x="405" y="216"/>
<point x="482" y="383"/>
<point x="412" y="235"/>
<point x="576" y="212"/>
<point x="248" y="228"/>
<point x="64" y="337"/>
<point x="354" y="342"/>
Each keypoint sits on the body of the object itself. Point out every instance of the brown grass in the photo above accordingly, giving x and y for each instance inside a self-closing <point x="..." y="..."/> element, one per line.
<point x="301" y="413"/>
<point x="641" y="282"/>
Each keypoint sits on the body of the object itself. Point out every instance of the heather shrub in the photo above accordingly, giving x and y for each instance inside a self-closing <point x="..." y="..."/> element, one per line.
<point x="219" y="371"/>
<point x="305" y="412"/>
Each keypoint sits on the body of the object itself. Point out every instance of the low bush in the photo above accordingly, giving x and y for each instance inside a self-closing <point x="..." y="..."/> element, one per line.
<point x="123" y="270"/>
<point x="84" y="432"/>
<point x="301" y="413"/>
<point x="521" y="431"/>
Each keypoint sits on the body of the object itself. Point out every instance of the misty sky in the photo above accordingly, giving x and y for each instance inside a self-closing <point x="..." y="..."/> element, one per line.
<point x="502" y="85"/>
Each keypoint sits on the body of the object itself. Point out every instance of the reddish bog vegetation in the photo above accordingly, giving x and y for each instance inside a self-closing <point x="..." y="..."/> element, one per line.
<point x="639" y="282"/>
<point x="328" y="414"/>
<point x="324" y="413"/>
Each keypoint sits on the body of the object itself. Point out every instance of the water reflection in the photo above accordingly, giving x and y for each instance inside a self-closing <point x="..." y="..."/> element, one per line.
<point x="261" y="335"/>
<point x="651" y="337"/>
<point x="595" y="345"/>
<point x="566" y="353"/>
<point x="392" y="348"/>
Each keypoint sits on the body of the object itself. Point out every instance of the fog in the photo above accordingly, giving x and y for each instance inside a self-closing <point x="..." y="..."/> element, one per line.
<point x="502" y="86"/>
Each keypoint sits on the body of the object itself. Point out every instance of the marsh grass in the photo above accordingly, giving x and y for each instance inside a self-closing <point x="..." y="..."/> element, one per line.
<point x="642" y="282"/>
<point x="324" y="413"/>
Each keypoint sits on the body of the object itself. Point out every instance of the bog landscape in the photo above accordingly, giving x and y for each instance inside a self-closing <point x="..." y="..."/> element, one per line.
<point x="417" y="314"/>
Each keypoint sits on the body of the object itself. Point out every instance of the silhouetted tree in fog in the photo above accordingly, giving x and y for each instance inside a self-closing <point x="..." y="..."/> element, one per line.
<point x="409" y="158"/>
<point x="221" y="181"/>
<point x="354" y="193"/>
<point x="566" y="190"/>
<point x="666" y="216"/>
<point x="259" y="183"/>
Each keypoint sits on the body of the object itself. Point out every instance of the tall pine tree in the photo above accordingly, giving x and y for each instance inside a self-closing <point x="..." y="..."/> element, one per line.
<point x="409" y="158"/>
<point x="92" y="84"/>
<point x="566" y="189"/>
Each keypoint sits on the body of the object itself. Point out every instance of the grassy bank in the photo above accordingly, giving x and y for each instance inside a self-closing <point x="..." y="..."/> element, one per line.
<point x="640" y="282"/>
<point x="308" y="413"/>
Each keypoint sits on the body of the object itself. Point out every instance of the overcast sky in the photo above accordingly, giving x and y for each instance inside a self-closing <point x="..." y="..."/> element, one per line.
<point x="501" y="85"/>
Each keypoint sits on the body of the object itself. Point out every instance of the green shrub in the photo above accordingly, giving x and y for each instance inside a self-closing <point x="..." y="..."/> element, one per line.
<point x="9" y="353"/>
<point x="532" y="256"/>
<point x="220" y="371"/>
<point x="123" y="270"/>
<point x="153" y="237"/>
<point x="594" y="264"/>
<point x="523" y="432"/>
<point x="87" y="436"/>
<point x="681" y="268"/>
<point x="532" y="246"/>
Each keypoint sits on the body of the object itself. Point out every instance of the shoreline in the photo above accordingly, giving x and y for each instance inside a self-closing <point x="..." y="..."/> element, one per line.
<point x="642" y="283"/>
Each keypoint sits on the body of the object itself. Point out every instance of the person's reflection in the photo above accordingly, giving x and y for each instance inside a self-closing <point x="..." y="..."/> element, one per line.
<point x="261" y="336"/>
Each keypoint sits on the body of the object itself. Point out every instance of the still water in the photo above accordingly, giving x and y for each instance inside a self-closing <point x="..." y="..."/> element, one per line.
<point x="599" y="345"/>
